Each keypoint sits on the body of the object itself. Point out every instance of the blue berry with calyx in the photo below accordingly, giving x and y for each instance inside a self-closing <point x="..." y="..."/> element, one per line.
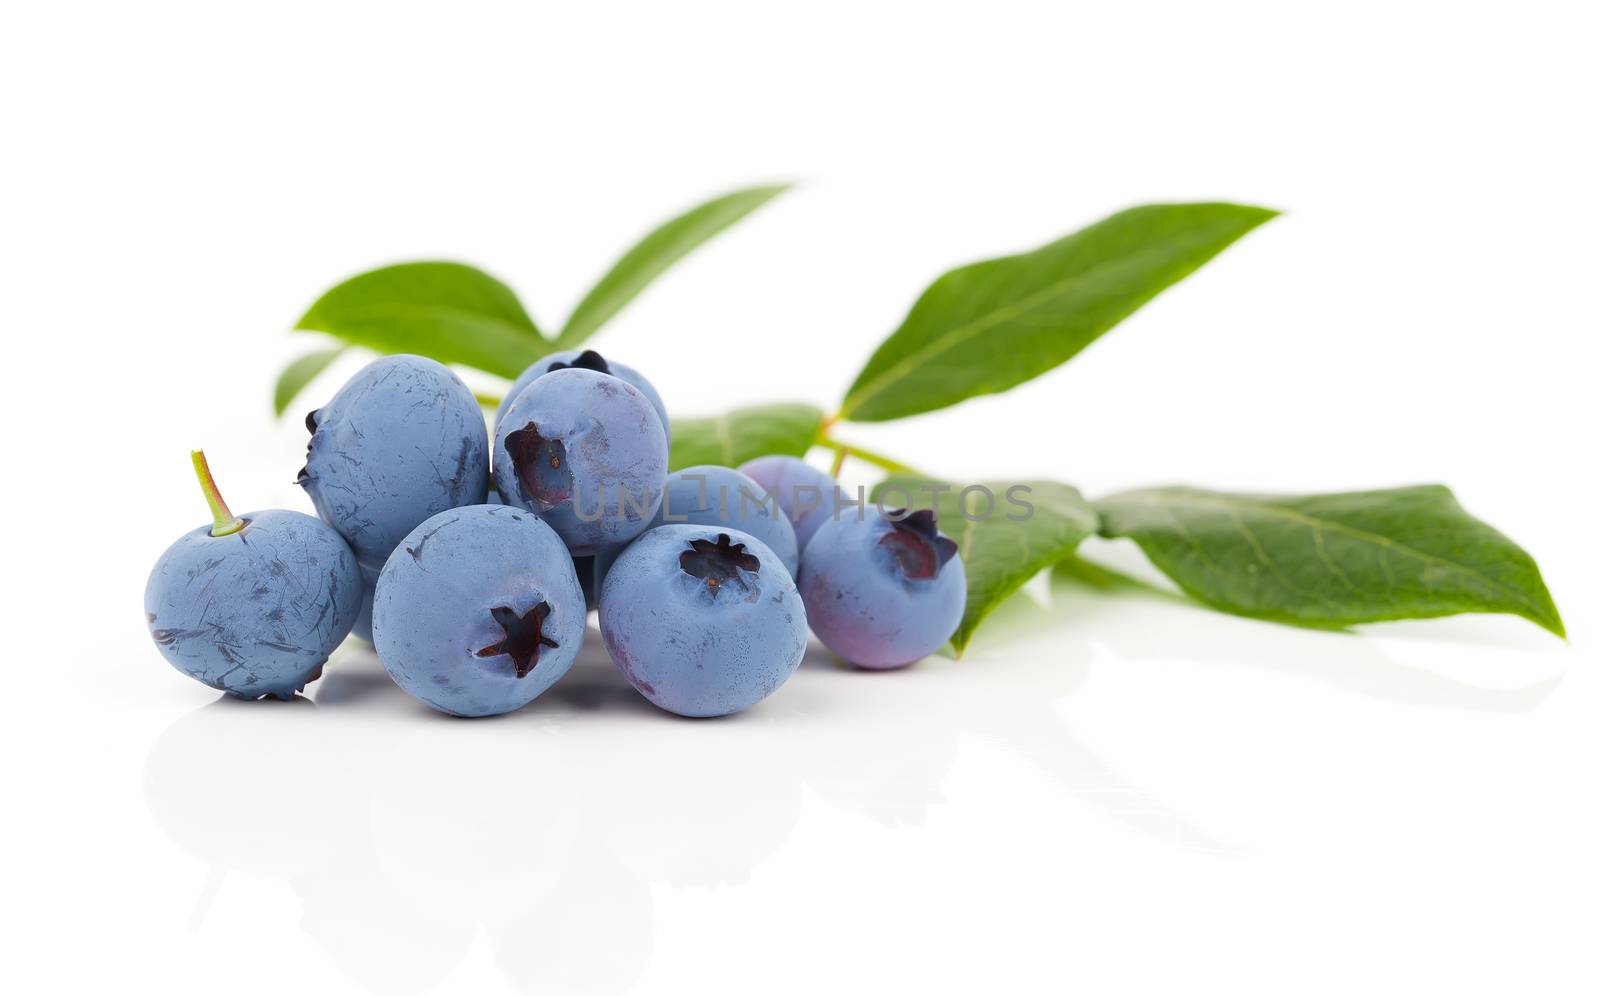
<point x="586" y="452"/>
<point x="885" y="589"/>
<point x="702" y="620"/>
<point x="478" y="611"/>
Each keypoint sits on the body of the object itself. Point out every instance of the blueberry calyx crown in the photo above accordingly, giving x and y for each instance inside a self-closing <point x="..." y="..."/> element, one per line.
<point x="524" y="636"/>
<point x="586" y="360"/>
<point x="540" y="465"/>
<point x="916" y="543"/>
<point x="718" y="564"/>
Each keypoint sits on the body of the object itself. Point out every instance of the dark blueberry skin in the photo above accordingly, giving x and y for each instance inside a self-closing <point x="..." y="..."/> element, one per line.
<point x="256" y="612"/>
<point x="702" y="620"/>
<point x="588" y="359"/>
<point x="572" y="438"/>
<point x="882" y="593"/>
<point x="403" y="440"/>
<point x="478" y="611"/>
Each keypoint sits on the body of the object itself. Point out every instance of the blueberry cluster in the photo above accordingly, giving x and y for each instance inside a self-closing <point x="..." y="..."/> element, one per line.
<point x="471" y="560"/>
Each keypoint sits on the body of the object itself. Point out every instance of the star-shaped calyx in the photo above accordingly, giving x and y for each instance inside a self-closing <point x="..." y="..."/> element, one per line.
<point x="540" y="465"/>
<point x="524" y="636"/>
<point x="586" y="360"/>
<point x="916" y="544"/>
<point x="718" y="564"/>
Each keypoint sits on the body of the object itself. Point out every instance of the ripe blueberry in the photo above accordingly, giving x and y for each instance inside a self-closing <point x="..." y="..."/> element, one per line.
<point x="586" y="452"/>
<point x="883" y="593"/>
<point x="253" y="605"/>
<point x="478" y="610"/>
<point x="702" y="620"/>
<point x="404" y="439"/>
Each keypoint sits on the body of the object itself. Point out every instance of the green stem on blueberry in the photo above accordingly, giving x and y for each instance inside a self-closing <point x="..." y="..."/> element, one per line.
<point x="867" y="456"/>
<point x="224" y="522"/>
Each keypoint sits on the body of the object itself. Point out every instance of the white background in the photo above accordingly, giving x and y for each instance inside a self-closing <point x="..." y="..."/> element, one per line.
<point x="1109" y="795"/>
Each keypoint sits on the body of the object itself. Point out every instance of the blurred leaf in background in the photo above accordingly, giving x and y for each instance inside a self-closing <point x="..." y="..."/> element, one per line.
<point x="744" y="434"/>
<point x="458" y="314"/>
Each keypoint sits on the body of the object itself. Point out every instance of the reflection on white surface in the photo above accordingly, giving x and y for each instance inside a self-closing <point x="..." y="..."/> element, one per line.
<point x="404" y="833"/>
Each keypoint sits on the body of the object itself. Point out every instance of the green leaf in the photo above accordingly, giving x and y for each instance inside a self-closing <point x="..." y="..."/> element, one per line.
<point x="989" y="326"/>
<point x="451" y="312"/>
<point x="654" y="253"/>
<point x="1002" y="544"/>
<point x="300" y="372"/>
<point x="744" y="434"/>
<point x="1332" y="560"/>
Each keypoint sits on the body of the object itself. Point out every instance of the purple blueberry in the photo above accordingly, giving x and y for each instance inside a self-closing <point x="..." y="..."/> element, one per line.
<point x="808" y="496"/>
<point x="404" y="439"/>
<point x="253" y="605"/>
<point x="586" y="360"/>
<point x="586" y="452"/>
<point x="702" y="620"/>
<point x="478" y="610"/>
<point x="883" y="593"/>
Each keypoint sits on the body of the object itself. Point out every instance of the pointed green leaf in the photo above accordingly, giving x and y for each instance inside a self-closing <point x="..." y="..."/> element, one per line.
<point x="1004" y="539"/>
<point x="1332" y="560"/>
<point x="654" y="253"/>
<point x="989" y="326"/>
<point x="451" y="312"/>
<point x="744" y="434"/>
<point x="300" y="372"/>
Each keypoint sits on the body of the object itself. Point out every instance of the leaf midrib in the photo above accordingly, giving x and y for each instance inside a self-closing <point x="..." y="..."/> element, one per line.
<point x="1168" y="499"/>
<point x="961" y="333"/>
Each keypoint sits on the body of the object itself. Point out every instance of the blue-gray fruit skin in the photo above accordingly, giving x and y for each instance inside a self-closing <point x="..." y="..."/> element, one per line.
<point x="587" y="359"/>
<point x="882" y="593"/>
<point x="256" y="612"/>
<point x="702" y="620"/>
<point x="478" y="611"/>
<point x="709" y="495"/>
<point x="808" y="496"/>
<point x="573" y="437"/>
<point x="404" y="439"/>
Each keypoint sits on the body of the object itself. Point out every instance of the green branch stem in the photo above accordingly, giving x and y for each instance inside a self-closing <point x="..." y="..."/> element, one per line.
<point x="878" y="460"/>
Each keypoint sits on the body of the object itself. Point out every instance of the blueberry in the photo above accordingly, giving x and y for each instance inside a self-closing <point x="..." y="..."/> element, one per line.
<point x="478" y="610"/>
<point x="883" y="593"/>
<point x="586" y="452"/>
<point x="702" y="620"/>
<point x="808" y="496"/>
<point x="403" y="440"/>
<point x="586" y="360"/>
<point x="709" y="495"/>
<point x="252" y="605"/>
